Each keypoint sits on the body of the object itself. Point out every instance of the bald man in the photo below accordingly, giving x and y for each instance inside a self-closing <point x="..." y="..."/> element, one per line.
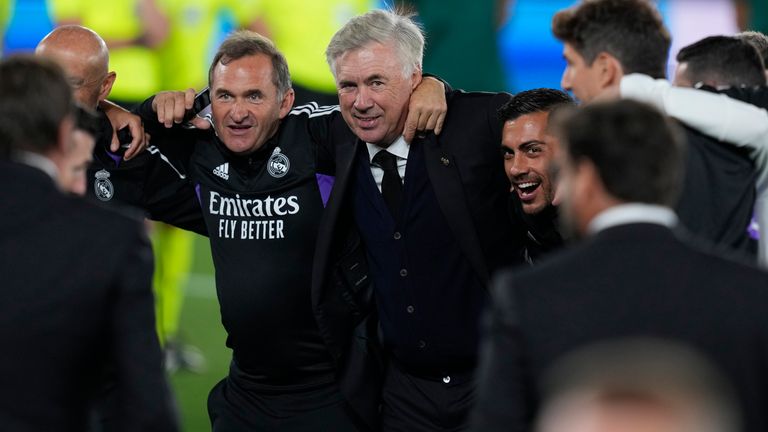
<point x="116" y="171"/>
<point x="85" y="59"/>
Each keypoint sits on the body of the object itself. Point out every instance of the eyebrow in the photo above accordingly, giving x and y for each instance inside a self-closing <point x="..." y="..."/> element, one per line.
<point x="531" y="143"/>
<point x="248" y="92"/>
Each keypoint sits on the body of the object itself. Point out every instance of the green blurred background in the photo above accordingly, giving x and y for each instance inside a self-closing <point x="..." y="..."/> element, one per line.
<point x="201" y="327"/>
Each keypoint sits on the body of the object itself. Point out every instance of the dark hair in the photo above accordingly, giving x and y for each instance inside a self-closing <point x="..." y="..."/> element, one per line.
<point x="723" y="61"/>
<point x="533" y="101"/>
<point x="759" y="41"/>
<point x="244" y="43"/>
<point x="35" y="98"/>
<point x="637" y="151"/>
<point x="630" y="30"/>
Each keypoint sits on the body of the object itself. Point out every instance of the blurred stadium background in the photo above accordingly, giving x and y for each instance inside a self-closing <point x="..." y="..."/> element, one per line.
<point x="521" y="45"/>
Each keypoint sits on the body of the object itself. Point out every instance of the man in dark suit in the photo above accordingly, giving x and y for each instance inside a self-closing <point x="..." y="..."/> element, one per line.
<point x="635" y="274"/>
<point x="607" y="39"/>
<point x="432" y="215"/>
<point x="76" y="293"/>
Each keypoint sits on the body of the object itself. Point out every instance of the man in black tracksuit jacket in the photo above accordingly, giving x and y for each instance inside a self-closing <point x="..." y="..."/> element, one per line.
<point x="112" y="179"/>
<point x="296" y="365"/>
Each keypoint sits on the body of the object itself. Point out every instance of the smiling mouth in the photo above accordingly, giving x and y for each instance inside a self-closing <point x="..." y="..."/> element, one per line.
<point x="526" y="189"/>
<point x="366" y="121"/>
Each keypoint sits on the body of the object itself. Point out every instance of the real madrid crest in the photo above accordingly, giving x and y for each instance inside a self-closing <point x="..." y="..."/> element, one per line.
<point x="102" y="187"/>
<point x="278" y="164"/>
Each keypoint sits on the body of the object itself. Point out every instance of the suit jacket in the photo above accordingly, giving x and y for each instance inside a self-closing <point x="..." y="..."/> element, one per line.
<point x="630" y="280"/>
<point x="75" y="296"/>
<point x="465" y="167"/>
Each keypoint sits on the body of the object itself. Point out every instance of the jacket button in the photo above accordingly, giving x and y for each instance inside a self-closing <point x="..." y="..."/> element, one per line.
<point x="422" y="344"/>
<point x="410" y="309"/>
<point x="403" y="272"/>
<point x="397" y="236"/>
<point x="446" y="379"/>
<point x="445" y="161"/>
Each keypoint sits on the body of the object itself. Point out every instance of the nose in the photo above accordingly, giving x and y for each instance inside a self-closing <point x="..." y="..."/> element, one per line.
<point x="238" y="113"/>
<point x="363" y="100"/>
<point x="565" y="80"/>
<point x="517" y="166"/>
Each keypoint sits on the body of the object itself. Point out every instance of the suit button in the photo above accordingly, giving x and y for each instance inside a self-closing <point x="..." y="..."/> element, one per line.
<point x="410" y="309"/>
<point x="422" y="344"/>
<point x="446" y="379"/>
<point x="403" y="272"/>
<point x="445" y="161"/>
<point x="397" y="236"/>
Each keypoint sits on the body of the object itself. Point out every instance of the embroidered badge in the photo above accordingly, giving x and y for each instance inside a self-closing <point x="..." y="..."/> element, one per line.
<point x="102" y="187"/>
<point x="278" y="164"/>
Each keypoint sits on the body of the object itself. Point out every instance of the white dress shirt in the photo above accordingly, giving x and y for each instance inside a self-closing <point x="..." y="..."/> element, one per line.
<point x="624" y="214"/>
<point x="38" y="161"/>
<point x="399" y="148"/>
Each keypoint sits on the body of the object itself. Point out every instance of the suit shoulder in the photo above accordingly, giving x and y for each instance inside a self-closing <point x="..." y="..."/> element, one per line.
<point x="461" y="98"/>
<point x="103" y="219"/>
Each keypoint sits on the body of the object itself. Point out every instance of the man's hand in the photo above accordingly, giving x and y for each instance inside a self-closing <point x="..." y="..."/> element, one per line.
<point x="171" y="108"/>
<point x="427" y="108"/>
<point x="120" y="118"/>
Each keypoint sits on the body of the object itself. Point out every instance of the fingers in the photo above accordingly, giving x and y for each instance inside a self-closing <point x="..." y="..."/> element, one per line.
<point x="138" y="141"/>
<point x="171" y="106"/>
<point x="114" y="146"/>
<point x="439" y="123"/>
<point x="189" y="98"/>
<point x="410" y="129"/>
<point x="201" y="123"/>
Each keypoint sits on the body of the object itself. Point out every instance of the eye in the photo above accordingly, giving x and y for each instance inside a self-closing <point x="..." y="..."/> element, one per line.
<point x="377" y="83"/>
<point x="507" y="154"/>
<point x="224" y="96"/>
<point x="533" y="151"/>
<point x="254" y="97"/>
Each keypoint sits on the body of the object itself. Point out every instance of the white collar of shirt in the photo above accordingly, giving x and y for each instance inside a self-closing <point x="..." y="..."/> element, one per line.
<point x="632" y="213"/>
<point x="38" y="161"/>
<point x="399" y="148"/>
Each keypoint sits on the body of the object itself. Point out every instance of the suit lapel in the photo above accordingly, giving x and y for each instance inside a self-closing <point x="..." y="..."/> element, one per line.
<point x="446" y="182"/>
<point x="345" y="157"/>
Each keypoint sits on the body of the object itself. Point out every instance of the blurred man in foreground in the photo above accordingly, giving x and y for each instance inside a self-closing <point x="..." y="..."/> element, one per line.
<point x="76" y="294"/>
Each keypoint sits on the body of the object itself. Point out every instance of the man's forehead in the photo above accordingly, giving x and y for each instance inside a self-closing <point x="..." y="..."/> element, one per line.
<point x="371" y="58"/>
<point x="242" y="70"/>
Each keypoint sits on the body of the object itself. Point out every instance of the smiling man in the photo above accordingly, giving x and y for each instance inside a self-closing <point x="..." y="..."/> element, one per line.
<point x="262" y="176"/>
<point x="604" y="40"/>
<point x="432" y="214"/>
<point x="528" y="147"/>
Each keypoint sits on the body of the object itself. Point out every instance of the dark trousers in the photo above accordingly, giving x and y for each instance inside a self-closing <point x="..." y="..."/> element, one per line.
<point x="238" y="406"/>
<point x="413" y="403"/>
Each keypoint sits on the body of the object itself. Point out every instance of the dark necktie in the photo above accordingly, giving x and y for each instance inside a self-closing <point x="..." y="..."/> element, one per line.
<point x="391" y="185"/>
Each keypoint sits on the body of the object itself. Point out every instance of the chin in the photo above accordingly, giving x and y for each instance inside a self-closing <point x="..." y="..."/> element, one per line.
<point x="370" y="137"/>
<point x="533" y="209"/>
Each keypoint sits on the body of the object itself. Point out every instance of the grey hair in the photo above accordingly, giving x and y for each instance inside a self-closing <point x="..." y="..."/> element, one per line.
<point x="380" y="26"/>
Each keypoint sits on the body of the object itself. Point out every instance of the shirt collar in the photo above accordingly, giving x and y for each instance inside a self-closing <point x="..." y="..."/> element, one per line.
<point x="399" y="148"/>
<point x="632" y="213"/>
<point x="38" y="161"/>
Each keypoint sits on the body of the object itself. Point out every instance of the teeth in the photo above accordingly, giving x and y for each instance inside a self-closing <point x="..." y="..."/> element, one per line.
<point x="526" y="185"/>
